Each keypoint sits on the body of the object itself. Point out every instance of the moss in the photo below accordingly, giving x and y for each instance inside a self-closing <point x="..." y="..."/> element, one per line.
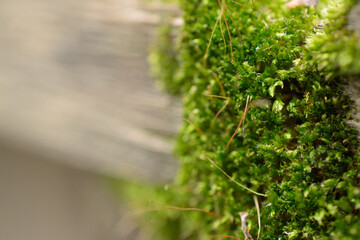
<point x="295" y="145"/>
<point x="163" y="60"/>
<point x="334" y="47"/>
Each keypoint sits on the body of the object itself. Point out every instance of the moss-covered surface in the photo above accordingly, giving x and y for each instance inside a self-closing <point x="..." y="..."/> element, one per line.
<point x="164" y="61"/>
<point x="294" y="146"/>
<point x="335" y="49"/>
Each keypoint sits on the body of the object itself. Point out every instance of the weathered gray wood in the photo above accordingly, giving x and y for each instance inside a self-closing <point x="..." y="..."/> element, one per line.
<point x="353" y="88"/>
<point x="43" y="200"/>
<point x="354" y="18"/>
<point x="74" y="86"/>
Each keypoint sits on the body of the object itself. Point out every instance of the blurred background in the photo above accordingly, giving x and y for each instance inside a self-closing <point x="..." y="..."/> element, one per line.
<point x="77" y="104"/>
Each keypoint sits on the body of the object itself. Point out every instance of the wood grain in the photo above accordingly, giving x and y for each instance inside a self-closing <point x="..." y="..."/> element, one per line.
<point x="75" y="87"/>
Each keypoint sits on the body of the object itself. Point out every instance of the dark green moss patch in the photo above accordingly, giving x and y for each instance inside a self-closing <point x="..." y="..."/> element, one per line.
<point x="295" y="145"/>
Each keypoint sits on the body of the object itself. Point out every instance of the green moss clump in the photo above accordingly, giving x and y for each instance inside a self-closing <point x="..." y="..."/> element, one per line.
<point x="335" y="49"/>
<point x="295" y="145"/>
<point x="163" y="60"/>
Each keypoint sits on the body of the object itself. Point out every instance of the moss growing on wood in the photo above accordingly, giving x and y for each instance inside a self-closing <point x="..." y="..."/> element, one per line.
<point x="335" y="49"/>
<point x="164" y="62"/>
<point x="280" y="72"/>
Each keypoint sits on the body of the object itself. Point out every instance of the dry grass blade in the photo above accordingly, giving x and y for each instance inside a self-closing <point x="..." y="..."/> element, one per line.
<point x="222" y="109"/>
<point x="238" y="3"/>
<point x="192" y="209"/>
<point x="195" y="127"/>
<point x="246" y="110"/>
<point x="242" y="120"/>
<point x="232" y="179"/>
<point x="236" y="26"/>
<point x="228" y="30"/>
<point x="224" y="236"/>
<point x="254" y="4"/>
<point x="220" y="84"/>
<point x="258" y="215"/>
<point x="223" y="36"/>
<point x="213" y="31"/>
<point x="217" y="96"/>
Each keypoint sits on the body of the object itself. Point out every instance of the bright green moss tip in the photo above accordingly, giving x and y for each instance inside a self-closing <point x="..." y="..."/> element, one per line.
<point x="295" y="145"/>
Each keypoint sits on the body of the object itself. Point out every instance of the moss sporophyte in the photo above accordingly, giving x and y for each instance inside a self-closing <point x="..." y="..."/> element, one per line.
<point x="263" y="93"/>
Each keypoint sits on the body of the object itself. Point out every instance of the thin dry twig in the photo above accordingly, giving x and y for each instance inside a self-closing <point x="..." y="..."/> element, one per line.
<point x="220" y="84"/>
<point x="246" y="110"/>
<point x="195" y="127"/>
<point x="222" y="109"/>
<point x="223" y="236"/>
<point x="254" y="4"/>
<point x="213" y="31"/>
<point x="222" y="36"/>
<point x="232" y="179"/>
<point x="217" y="96"/>
<point x="223" y="6"/>
<point x="242" y="120"/>
<point x="258" y="215"/>
<point x="236" y="26"/>
<point x="227" y="27"/>
<point x="238" y="3"/>
<point x="192" y="209"/>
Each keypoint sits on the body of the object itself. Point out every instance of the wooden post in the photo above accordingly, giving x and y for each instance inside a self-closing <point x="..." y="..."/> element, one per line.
<point x="75" y="87"/>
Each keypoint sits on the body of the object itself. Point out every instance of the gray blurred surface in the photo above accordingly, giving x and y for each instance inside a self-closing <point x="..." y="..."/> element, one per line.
<point x="354" y="18"/>
<point x="45" y="200"/>
<point x="353" y="89"/>
<point x="74" y="87"/>
<point x="76" y="101"/>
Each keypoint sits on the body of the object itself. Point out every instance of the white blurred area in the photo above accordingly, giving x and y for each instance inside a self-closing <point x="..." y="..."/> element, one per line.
<point x="76" y="101"/>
